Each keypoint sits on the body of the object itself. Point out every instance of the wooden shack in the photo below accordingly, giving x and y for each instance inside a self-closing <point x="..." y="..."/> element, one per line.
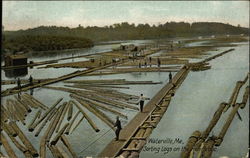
<point x="15" y="60"/>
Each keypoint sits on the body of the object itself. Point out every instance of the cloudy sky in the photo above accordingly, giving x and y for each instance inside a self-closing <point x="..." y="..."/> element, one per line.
<point x="28" y="14"/>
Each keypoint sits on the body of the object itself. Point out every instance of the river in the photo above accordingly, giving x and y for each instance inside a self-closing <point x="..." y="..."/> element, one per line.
<point x="190" y="109"/>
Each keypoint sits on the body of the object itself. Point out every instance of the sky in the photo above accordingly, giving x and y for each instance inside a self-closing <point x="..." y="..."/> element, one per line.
<point x="29" y="14"/>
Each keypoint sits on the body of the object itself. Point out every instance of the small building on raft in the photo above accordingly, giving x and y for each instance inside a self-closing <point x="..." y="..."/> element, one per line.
<point x="132" y="47"/>
<point x="15" y="60"/>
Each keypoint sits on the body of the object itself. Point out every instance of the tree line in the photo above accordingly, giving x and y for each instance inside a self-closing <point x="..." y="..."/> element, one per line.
<point x="42" y="38"/>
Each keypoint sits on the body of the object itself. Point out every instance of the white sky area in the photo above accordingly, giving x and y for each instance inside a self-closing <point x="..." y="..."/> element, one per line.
<point x="29" y="14"/>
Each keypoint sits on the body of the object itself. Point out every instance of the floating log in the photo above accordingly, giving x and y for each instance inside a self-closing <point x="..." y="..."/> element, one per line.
<point x="95" y="111"/>
<point x="23" y="104"/>
<point x="100" y="99"/>
<point x="99" y="86"/>
<point x="20" y="107"/>
<point x="233" y="98"/>
<point x="7" y="146"/>
<point x="77" y="124"/>
<point x="95" y="81"/>
<point x="109" y="102"/>
<point x="69" y="147"/>
<point x="108" y="93"/>
<point x="64" y="154"/>
<point x="245" y="98"/>
<point x="17" y="112"/>
<point x="22" y="148"/>
<point x="44" y="115"/>
<point x="217" y="55"/>
<point x="226" y="125"/>
<point x="62" y="116"/>
<point x="190" y="143"/>
<point x="44" y="122"/>
<point x="2" y="155"/>
<point x="55" y="151"/>
<point x="147" y="132"/>
<point x="129" y="83"/>
<point x="44" y="107"/>
<point x="70" y="111"/>
<point x="103" y="107"/>
<point x="8" y="129"/>
<point x="57" y="137"/>
<point x="28" y="101"/>
<point x="4" y="114"/>
<point x="71" y="123"/>
<point x="38" y="113"/>
<point x="24" y="139"/>
<point x="208" y="147"/>
<point x="211" y="125"/>
<point x="11" y="111"/>
<point x="55" y="122"/>
<point x="92" y="124"/>
<point x="45" y="136"/>
<point x="78" y="92"/>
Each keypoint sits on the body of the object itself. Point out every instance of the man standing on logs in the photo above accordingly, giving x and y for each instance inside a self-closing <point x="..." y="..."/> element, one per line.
<point x="118" y="128"/>
<point x="170" y="77"/>
<point x="18" y="83"/>
<point x="141" y="102"/>
<point x="19" y="88"/>
<point x="31" y="80"/>
<point x="159" y="62"/>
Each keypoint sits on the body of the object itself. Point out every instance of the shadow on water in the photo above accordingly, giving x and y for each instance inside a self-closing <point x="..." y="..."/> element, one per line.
<point x="13" y="73"/>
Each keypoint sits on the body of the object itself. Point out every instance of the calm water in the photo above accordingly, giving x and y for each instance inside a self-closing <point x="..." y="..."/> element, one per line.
<point x="196" y="101"/>
<point x="191" y="109"/>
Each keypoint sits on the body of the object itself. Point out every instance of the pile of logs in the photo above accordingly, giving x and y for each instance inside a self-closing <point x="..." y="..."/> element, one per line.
<point x="201" y="143"/>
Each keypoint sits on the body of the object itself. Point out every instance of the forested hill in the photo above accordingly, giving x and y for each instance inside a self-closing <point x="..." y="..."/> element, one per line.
<point x="45" y="42"/>
<point x="121" y="31"/>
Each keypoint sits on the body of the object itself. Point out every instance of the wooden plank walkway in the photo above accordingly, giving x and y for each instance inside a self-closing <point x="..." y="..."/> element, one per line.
<point x="65" y="77"/>
<point x="114" y="148"/>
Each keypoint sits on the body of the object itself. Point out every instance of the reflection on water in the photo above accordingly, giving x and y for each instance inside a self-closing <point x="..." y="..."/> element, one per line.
<point x="52" y="72"/>
<point x="13" y="73"/>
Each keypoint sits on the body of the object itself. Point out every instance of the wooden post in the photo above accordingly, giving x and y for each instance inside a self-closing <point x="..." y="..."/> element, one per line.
<point x="92" y="124"/>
